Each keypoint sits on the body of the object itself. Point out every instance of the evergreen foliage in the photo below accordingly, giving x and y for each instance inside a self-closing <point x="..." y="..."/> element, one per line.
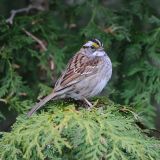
<point x="63" y="132"/>
<point x="131" y="37"/>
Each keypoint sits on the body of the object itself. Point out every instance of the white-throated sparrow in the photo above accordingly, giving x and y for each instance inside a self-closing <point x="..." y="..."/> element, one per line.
<point x="87" y="73"/>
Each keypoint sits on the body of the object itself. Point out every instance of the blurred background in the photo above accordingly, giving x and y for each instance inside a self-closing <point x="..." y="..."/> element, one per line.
<point x="38" y="37"/>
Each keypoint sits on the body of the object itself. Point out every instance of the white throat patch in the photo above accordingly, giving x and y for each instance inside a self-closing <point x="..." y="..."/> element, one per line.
<point x="99" y="53"/>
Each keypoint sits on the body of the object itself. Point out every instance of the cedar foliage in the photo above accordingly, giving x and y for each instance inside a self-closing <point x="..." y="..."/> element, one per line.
<point x="67" y="133"/>
<point x="131" y="37"/>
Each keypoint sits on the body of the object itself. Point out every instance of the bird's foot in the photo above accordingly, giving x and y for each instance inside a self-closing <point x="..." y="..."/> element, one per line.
<point x="89" y="104"/>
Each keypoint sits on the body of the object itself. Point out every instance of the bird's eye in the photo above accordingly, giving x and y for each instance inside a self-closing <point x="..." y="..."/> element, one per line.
<point x="85" y="46"/>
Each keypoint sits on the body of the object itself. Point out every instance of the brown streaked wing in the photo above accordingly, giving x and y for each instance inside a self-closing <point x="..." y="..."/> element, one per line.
<point x="79" y="66"/>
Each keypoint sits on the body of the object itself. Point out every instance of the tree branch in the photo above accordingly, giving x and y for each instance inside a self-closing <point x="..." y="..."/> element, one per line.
<point x="40" y="42"/>
<point x="14" y="12"/>
<point x="39" y="5"/>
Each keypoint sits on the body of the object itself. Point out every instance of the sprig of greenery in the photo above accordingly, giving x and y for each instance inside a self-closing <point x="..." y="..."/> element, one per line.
<point x="66" y="133"/>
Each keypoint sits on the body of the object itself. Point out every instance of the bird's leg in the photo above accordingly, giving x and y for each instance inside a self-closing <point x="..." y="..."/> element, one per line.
<point x="88" y="103"/>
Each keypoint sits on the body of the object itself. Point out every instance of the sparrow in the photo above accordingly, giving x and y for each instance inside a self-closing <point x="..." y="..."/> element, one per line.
<point x="85" y="76"/>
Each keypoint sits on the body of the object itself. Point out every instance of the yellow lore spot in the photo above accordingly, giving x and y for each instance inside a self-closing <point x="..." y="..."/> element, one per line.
<point x="95" y="45"/>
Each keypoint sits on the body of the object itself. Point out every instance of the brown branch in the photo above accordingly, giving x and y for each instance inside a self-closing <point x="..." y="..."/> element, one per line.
<point x="14" y="12"/>
<point x="3" y="100"/>
<point x="40" y="42"/>
<point x="40" y="5"/>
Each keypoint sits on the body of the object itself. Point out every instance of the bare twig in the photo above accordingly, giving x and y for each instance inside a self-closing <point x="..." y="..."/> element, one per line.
<point x="14" y="12"/>
<point x="39" y="5"/>
<point x="3" y="100"/>
<point x="52" y="65"/>
<point x="40" y="42"/>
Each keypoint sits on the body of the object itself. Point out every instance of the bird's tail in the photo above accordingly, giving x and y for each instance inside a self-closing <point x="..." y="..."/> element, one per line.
<point x="41" y="103"/>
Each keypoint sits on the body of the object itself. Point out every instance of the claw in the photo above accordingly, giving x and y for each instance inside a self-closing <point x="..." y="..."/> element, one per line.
<point x="88" y="103"/>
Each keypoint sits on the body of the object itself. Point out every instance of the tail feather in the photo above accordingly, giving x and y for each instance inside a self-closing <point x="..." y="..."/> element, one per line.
<point x="41" y="103"/>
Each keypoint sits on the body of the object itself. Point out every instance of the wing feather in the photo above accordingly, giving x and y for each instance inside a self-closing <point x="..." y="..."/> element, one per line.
<point x="79" y="66"/>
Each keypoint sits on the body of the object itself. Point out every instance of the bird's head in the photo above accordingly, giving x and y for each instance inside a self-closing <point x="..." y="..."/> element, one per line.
<point x="94" y="47"/>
